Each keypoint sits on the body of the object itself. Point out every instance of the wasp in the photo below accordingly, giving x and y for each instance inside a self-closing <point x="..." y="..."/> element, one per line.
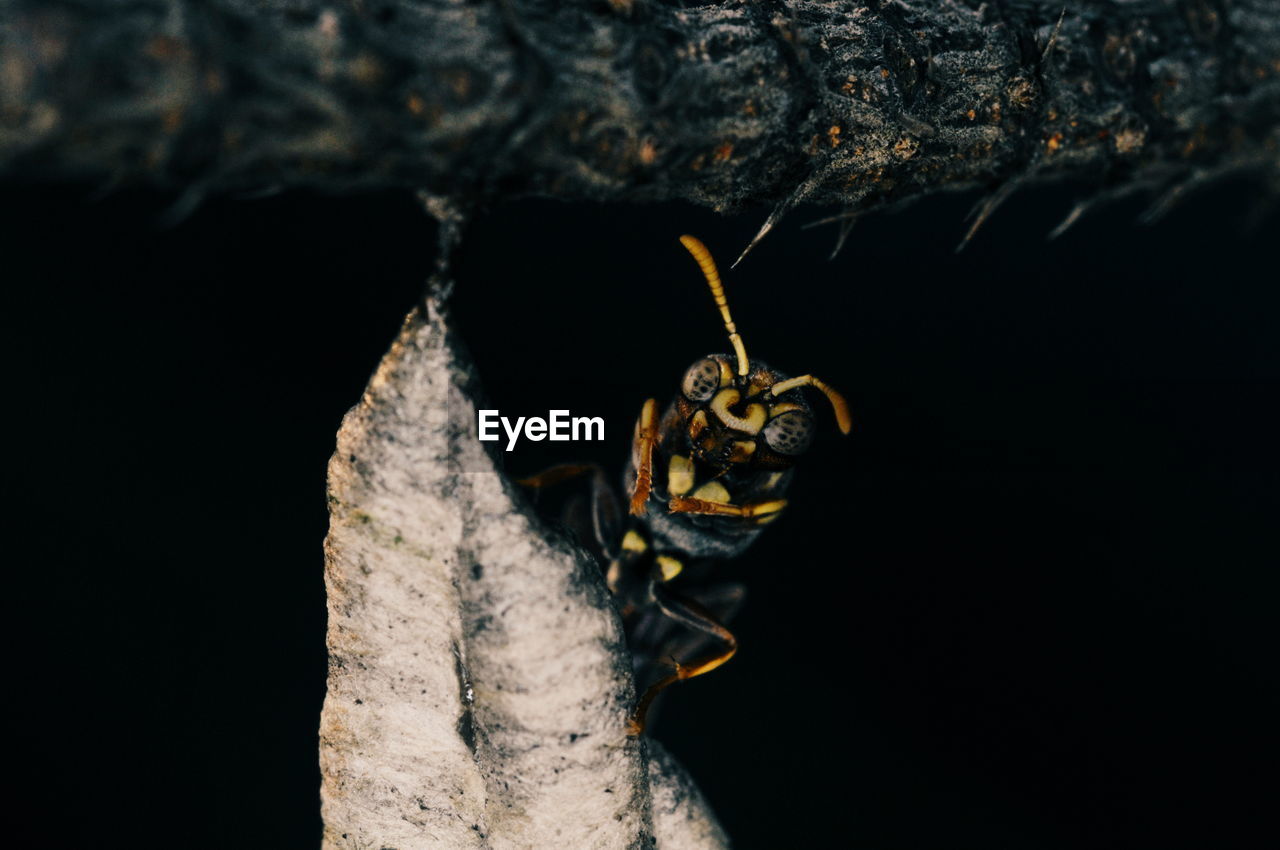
<point x="705" y="476"/>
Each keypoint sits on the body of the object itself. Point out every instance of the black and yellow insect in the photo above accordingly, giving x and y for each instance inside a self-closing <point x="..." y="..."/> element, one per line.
<point x="705" y="476"/>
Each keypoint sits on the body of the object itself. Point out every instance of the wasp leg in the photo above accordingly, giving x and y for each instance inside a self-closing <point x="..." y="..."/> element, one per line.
<point x="838" y="404"/>
<point x="605" y="522"/>
<point x="642" y="455"/>
<point x="606" y="516"/>
<point x="722" y="600"/>
<point x="558" y="474"/>
<point x="693" y="615"/>
<point x="761" y="511"/>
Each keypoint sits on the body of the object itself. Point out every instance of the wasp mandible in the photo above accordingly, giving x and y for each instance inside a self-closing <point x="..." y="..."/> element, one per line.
<point x="704" y="478"/>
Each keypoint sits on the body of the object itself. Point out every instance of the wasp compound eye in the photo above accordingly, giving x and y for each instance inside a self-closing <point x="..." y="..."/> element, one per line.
<point x="789" y="433"/>
<point x="702" y="380"/>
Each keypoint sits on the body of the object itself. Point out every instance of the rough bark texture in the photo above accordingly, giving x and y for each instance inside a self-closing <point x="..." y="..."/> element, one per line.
<point x="479" y="684"/>
<point x="856" y="102"/>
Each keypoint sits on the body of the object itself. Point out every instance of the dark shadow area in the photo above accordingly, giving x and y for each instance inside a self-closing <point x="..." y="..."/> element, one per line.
<point x="1028" y="603"/>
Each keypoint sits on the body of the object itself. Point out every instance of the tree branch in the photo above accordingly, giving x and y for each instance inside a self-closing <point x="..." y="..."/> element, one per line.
<point x="856" y="103"/>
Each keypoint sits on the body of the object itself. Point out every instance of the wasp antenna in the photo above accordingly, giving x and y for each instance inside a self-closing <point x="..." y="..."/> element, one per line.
<point x="708" y="266"/>
<point x="841" y="407"/>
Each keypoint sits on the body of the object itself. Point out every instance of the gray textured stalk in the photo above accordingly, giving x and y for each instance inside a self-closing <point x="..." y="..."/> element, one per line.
<point x="478" y="682"/>
<point x="852" y="102"/>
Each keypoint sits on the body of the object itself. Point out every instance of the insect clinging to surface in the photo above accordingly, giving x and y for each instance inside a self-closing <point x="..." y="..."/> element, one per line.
<point x="704" y="478"/>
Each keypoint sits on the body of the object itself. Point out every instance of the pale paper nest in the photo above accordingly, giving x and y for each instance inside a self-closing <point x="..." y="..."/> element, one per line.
<point x="479" y="685"/>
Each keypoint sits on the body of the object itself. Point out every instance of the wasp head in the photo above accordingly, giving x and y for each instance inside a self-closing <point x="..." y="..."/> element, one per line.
<point x="758" y="418"/>
<point x="737" y="412"/>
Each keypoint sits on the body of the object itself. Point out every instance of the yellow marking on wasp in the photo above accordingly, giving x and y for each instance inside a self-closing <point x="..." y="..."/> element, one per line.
<point x="708" y="266"/>
<point x="742" y="449"/>
<point x="761" y="508"/>
<point x="712" y="491"/>
<point x="841" y="407"/>
<point x="633" y="542"/>
<point x="670" y="567"/>
<point x="679" y="475"/>
<point x="726" y="373"/>
<point x="772" y="480"/>
<point x="698" y="424"/>
<point x="751" y="423"/>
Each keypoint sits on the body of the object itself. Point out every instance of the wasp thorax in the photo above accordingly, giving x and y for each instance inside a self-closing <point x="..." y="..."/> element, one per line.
<point x="702" y="380"/>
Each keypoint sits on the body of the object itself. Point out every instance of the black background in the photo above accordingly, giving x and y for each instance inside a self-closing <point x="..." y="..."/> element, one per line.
<point x="1029" y="602"/>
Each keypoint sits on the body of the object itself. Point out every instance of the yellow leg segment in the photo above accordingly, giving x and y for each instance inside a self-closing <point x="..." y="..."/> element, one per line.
<point x="645" y="440"/>
<point x="702" y="506"/>
<point x="696" y="617"/>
